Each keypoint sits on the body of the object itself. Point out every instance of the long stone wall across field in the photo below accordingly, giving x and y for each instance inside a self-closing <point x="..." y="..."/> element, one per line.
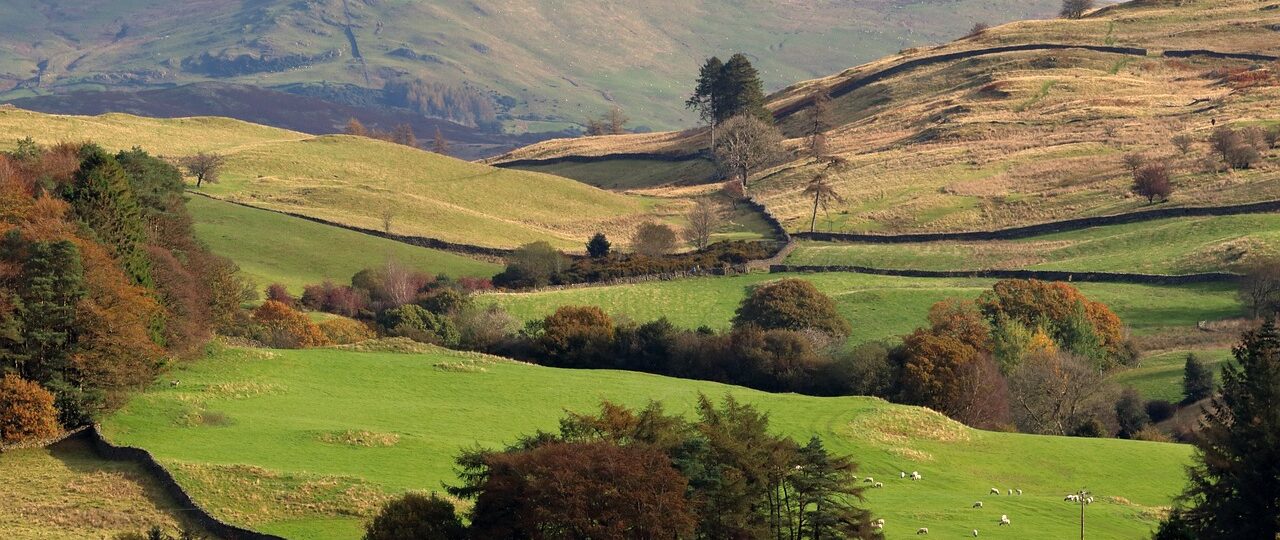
<point x="1040" y="229"/>
<point x="662" y="158"/>
<point x="1043" y="275"/>
<point x="191" y="510"/>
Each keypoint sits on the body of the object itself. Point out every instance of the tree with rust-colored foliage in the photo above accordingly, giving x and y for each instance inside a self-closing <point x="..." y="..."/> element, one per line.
<point x="282" y="327"/>
<point x="26" y="411"/>
<point x="1153" y="182"/>
<point x="575" y="336"/>
<point x="596" y="490"/>
<point x="1066" y="314"/>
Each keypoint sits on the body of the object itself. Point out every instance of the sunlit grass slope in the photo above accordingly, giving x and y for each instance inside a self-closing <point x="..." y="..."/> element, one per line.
<point x="247" y="430"/>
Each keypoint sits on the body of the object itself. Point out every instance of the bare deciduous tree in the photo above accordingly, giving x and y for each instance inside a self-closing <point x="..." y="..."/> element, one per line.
<point x="703" y="220"/>
<point x="823" y="194"/>
<point x="617" y="121"/>
<point x="204" y="166"/>
<point x="439" y="144"/>
<point x="387" y="216"/>
<point x="1052" y="394"/>
<point x="747" y="144"/>
<point x="1183" y="143"/>
<point x="1260" y="288"/>
<point x="1153" y="182"/>
<point x="978" y="28"/>
<point x="654" y="239"/>
<point x="1133" y="161"/>
<point x="1075" y="9"/>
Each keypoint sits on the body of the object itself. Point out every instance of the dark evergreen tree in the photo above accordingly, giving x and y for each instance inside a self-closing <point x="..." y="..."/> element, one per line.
<point x="155" y="183"/>
<point x="416" y="517"/>
<point x="1131" y="413"/>
<point x="598" y="246"/>
<point x="103" y="200"/>
<point x="743" y="90"/>
<point x="1234" y="492"/>
<point x="1197" y="380"/>
<point x="49" y="286"/>
<point x="707" y="97"/>
<point x="824" y="487"/>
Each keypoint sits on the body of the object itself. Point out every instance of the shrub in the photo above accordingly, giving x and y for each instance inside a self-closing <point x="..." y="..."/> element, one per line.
<point x="1131" y="413"/>
<point x="654" y="240"/>
<point x="282" y="327"/>
<point x="1153" y="182"/>
<point x="1159" y="410"/>
<point x="1152" y="434"/>
<point x="576" y="336"/>
<point x="484" y="328"/>
<point x="1183" y="143"/>
<point x="277" y="292"/>
<point x="978" y="28"/>
<point x="418" y="324"/>
<point x="344" y="331"/>
<point x="1074" y="322"/>
<point x="532" y="265"/>
<point x="337" y="299"/>
<point x="1243" y="156"/>
<point x="26" y="411"/>
<point x="444" y="301"/>
<point x="414" y="516"/>
<point x="1075" y="9"/>
<point x="598" y="246"/>
<point x="791" y="304"/>
<point x="1197" y="380"/>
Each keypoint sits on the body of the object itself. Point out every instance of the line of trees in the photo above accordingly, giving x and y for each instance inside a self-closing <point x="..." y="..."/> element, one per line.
<point x="101" y="282"/>
<point x="627" y="473"/>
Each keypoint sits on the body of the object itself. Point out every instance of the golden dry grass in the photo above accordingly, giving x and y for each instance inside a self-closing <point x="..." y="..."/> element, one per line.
<point x="1024" y="137"/>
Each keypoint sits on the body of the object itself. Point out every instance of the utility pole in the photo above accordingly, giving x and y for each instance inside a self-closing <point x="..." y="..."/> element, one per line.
<point x="1083" y="498"/>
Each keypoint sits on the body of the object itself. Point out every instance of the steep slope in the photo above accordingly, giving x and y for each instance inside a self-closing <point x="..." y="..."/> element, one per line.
<point x="547" y="63"/>
<point x="358" y="182"/>
<point x="1024" y="123"/>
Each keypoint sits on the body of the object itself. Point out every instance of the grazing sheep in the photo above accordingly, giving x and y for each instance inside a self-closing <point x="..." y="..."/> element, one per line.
<point x="1089" y="500"/>
<point x="975" y="533"/>
<point x="915" y="475"/>
<point x="1011" y="493"/>
<point x="903" y="474"/>
<point x="995" y="491"/>
<point x="1019" y="492"/>
<point x="1072" y="497"/>
<point x="977" y="504"/>
<point x="1004" y="520"/>
<point x="878" y="524"/>
<point x="922" y="530"/>
<point x="175" y="382"/>
<point x="878" y="485"/>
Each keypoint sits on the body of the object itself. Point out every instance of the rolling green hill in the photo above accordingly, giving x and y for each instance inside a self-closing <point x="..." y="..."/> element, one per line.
<point x="549" y="62"/>
<point x="355" y="180"/>
<point x="275" y="248"/>
<point x="306" y="443"/>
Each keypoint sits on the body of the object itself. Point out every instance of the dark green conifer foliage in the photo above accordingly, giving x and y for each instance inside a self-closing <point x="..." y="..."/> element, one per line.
<point x="49" y="285"/>
<point x="103" y="200"/>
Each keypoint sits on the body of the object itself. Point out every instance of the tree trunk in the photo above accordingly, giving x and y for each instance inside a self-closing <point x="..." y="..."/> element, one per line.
<point x="813" y="223"/>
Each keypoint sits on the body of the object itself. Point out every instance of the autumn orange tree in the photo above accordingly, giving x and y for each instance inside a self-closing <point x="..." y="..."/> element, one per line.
<point x="1075" y="323"/>
<point x="283" y="327"/>
<point x="26" y="411"/>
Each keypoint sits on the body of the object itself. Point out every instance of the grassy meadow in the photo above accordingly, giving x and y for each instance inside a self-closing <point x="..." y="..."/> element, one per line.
<point x="1160" y="376"/>
<point x="297" y="252"/>
<point x="1169" y="246"/>
<point x="65" y="492"/>
<point x="357" y="181"/>
<point x="878" y="307"/>
<point x="306" y="443"/>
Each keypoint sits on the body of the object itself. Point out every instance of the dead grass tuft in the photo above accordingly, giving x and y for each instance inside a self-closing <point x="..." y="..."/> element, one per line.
<point x="366" y="439"/>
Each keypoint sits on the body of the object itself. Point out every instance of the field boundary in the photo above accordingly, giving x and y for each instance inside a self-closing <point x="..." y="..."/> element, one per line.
<point x="664" y="158"/>
<point x="489" y="254"/>
<point x="1051" y="227"/>
<point x="191" y="510"/>
<point x="1043" y="275"/>
<point x="42" y="443"/>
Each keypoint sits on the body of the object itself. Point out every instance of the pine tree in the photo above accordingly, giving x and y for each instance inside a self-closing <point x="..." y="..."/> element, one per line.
<point x="1197" y="380"/>
<point x="819" y="123"/>
<point x="598" y="246"/>
<point x="706" y="98"/>
<point x="50" y="284"/>
<point x="103" y="200"/>
<point x="824" y="487"/>
<point x="743" y="90"/>
<point x="1234" y="491"/>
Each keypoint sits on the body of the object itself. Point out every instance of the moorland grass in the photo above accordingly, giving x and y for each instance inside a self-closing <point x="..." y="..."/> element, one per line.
<point x="1167" y="246"/>
<point x="66" y="492"/>
<point x="878" y="307"/>
<point x="275" y="248"/>
<point x="273" y="464"/>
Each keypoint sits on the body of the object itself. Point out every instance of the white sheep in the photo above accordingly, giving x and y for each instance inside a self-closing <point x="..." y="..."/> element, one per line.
<point x="1019" y="492"/>
<point x="1089" y="500"/>
<point x="922" y="530"/>
<point x="975" y="533"/>
<point x="977" y="504"/>
<point x="1004" y="520"/>
<point x="870" y="480"/>
<point x="1011" y="493"/>
<point x="995" y="491"/>
<point x="1072" y="497"/>
<point x="175" y="382"/>
<point x="903" y="474"/>
<point x="915" y="475"/>
<point x="878" y="485"/>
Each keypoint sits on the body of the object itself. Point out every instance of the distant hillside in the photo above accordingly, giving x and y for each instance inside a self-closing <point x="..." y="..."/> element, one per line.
<point x="1024" y="123"/>
<point x="274" y="108"/>
<point x="534" y="65"/>
<point x="358" y="181"/>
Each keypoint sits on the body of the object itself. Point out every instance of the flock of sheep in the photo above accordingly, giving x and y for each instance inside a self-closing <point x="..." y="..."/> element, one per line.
<point x="1004" y="518"/>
